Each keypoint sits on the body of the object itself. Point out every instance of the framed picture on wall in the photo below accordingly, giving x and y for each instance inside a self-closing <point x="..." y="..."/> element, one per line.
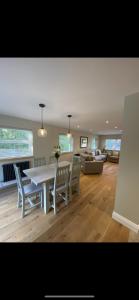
<point x="83" y="141"/>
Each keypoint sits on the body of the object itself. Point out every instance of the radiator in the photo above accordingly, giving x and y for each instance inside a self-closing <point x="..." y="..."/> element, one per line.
<point x="8" y="170"/>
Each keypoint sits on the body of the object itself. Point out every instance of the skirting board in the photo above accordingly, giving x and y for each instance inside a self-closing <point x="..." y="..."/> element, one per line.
<point x="124" y="221"/>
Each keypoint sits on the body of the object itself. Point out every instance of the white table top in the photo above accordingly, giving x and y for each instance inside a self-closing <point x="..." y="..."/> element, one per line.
<point x="44" y="173"/>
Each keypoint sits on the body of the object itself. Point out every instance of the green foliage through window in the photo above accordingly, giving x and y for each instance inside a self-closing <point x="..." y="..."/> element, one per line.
<point x="15" y="142"/>
<point x="66" y="144"/>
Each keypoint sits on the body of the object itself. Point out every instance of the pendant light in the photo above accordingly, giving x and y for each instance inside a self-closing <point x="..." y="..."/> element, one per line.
<point x="69" y="133"/>
<point x="42" y="132"/>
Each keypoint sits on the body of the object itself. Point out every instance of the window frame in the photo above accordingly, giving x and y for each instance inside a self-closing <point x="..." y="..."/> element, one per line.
<point x="21" y="156"/>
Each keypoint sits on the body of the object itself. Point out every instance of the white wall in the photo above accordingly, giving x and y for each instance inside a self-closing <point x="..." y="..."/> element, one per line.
<point x="127" y="193"/>
<point x="42" y="146"/>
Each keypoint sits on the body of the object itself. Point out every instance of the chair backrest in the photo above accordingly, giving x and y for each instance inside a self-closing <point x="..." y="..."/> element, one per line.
<point x="18" y="179"/>
<point x="76" y="168"/>
<point x="39" y="161"/>
<point x="62" y="176"/>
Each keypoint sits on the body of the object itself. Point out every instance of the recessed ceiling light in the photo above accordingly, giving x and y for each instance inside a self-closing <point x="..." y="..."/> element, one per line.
<point x="107" y="122"/>
<point x="78" y="126"/>
<point x="115" y="127"/>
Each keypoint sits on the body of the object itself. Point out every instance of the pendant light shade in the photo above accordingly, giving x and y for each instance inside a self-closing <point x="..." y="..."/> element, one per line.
<point x="69" y="135"/>
<point x="42" y="132"/>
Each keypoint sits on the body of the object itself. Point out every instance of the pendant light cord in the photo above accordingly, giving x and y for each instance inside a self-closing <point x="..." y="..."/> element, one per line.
<point x="69" y="116"/>
<point x="42" y="117"/>
<point x="69" y="125"/>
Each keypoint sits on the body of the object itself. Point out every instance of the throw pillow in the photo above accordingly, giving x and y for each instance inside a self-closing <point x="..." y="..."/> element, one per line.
<point x="89" y="158"/>
<point x="98" y="152"/>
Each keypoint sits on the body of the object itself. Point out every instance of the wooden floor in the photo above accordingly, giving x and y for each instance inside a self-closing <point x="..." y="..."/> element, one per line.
<point x="86" y="219"/>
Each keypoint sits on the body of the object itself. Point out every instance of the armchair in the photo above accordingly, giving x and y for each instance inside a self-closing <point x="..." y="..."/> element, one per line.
<point x="114" y="156"/>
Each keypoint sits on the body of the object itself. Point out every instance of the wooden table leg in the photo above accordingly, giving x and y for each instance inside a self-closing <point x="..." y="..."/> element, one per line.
<point x="46" y="197"/>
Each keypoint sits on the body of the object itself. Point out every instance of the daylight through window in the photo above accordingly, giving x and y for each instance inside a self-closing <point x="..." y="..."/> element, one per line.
<point x="15" y="143"/>
<point x="66" y="143"/>
<point x="113" y="144"/>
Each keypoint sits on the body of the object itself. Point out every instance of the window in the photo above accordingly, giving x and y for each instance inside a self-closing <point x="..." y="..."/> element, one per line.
<point x="111" y="144"/>
<point x="94" y="143"/>
<point x="66" y="144"/>
<point x="15" y="143"/>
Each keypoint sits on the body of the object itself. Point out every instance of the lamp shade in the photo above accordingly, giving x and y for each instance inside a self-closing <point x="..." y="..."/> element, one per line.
<point x="69" y="135"/>
<point x="42" y="132"/>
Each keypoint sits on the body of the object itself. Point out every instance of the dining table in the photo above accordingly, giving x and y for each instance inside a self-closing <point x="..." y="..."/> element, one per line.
<point x="44" y="175"/>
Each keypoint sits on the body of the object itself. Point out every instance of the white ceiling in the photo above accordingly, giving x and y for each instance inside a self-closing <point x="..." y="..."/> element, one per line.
<point x="91" y="89"/>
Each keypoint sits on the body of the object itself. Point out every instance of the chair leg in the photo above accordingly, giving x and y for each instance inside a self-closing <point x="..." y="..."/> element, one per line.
<point x="19" y="201"/>
<point x="66" y="198"/>
<point x="23" y="207"/>
<point x="41" y="195"/>
<point x="70" y="193"/>
<point x="54" y="201"/>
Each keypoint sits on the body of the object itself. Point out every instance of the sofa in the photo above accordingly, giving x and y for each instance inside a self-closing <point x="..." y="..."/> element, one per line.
<point x="89" y="165"/>
<point x="97" y="155"/>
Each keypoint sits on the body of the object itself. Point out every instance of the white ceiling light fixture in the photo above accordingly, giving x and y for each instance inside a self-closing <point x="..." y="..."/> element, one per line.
<point x="107" y="122"/>
<point x="115" y="127"/>
<point x="78" y="126"/>
<point x="69" y="133"/>
<point x="42" y="132"/>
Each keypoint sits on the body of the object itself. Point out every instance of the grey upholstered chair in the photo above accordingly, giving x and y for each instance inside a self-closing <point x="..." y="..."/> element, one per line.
<point x="26" y="192"/>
